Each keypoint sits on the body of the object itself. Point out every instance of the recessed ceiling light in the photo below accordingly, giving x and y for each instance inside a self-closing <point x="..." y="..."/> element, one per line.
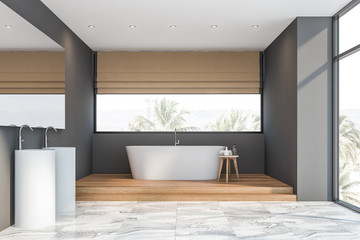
<point x="255" y="26"/>
<point x="173" y="26"/>
<point x="8" y="26"/>
<point x="214" y="26"/>
<point x="132" y="26"/>
<point x="91" y="26"/>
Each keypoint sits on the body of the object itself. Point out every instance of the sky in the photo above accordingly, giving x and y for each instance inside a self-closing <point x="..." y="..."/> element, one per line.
<point x="349" y="67"/>
<point x="35" y="110"/>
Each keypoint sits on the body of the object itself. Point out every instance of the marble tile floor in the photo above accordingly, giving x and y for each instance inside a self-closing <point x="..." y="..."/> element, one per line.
<point x="199" y="220"/>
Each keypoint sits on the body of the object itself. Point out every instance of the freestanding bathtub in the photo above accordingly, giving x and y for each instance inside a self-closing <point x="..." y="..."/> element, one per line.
<point x="174" y="162"/>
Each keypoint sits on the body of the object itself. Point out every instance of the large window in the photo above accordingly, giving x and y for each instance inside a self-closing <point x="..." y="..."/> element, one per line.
<point x="185" y="112"/>
<point x="347" y="64"/>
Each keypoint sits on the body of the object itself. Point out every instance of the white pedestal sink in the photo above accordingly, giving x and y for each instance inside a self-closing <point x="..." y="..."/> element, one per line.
<point x="34" y="188"/>
<point x="65" y="178"/>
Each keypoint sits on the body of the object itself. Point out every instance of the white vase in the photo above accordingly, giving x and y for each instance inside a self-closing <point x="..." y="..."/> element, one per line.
<point x="227" y="152"/>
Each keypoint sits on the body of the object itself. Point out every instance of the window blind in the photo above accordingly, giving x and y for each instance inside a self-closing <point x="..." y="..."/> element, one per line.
<point x="178" y="72"/>
<point x="32" y="72"/>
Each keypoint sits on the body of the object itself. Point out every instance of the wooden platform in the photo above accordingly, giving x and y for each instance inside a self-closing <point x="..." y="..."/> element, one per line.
<point x="121" y="187"/>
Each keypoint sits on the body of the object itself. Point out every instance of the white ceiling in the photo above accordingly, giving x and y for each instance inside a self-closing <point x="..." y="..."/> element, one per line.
<point x="23" y="36"/>
<point x="193" y="19"/>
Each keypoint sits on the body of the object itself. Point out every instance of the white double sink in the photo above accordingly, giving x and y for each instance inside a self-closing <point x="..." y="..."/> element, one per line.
<point x="44" y="185"/>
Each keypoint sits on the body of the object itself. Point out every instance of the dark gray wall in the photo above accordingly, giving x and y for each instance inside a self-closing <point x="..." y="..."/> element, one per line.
<point x="297" y="107"/>
<point x="109" y="154"/>
<point x="7" y="144"/>
<point x="78" y="101"/>
<point x="314" y="104"/>
<point x="280" y="107"/>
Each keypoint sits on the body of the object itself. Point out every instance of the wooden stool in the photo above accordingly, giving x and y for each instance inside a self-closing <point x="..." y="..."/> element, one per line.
<point x="228" y="158"/>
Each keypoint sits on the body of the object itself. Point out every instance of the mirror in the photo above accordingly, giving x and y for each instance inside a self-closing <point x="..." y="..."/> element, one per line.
<point x="32" y="74"/>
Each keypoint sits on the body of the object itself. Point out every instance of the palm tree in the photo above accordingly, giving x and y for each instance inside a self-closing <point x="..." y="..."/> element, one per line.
<point x="349" y="149"/>
<point x="348" y="188"/>
<point x="166" y="117"/>
<point x="255" y="123"/>
<point x="349" y="139"/>
<point x="236" y="120"/>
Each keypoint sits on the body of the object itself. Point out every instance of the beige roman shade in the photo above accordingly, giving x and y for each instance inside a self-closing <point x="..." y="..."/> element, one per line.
<point x="178" y="72"/>
<point x="32" y="72"/>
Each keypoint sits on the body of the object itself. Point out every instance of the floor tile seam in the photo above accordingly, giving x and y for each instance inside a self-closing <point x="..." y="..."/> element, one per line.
<point x="337" y="219"/>
<point x="355" y="233"/>
<point x="342" y="230"/>
<point x="315" y="232"/>
<point x="267" y="234"/>
<point x="344" y="211"/>
<point x="347" y="229"/>
<point x="176" y="214"/>
<point x="227" y="219"/>
<point x="229" y="222"/>
<point x="222" y="214"/>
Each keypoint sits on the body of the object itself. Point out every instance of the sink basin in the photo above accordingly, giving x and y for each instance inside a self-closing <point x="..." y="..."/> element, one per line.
<point x="65" y="178"/>
<point x="34" y="188"/>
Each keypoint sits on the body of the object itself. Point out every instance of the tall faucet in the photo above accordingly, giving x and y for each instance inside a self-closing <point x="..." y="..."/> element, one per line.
<point x="177" y="141"/>
<point x="46" y="135"/>
<point x="20" y="138"/>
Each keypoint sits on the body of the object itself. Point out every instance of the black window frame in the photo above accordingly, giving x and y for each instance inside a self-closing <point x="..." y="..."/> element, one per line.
<point x="262" y="73"/>
<point x="336" y="58"/>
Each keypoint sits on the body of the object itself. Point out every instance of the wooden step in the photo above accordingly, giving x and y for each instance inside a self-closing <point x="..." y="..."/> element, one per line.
<point x="120" y="187"/>
<point x="184" y="190"/>
<point x="183" y="197"/>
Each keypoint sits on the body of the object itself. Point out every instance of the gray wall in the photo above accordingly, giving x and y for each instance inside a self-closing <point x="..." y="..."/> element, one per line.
<point x="7" y="144"/>
<point x="78" y="101"/>
<point x="314" y="115"/>
<point x="109" y="154"/>
<point x="279" y="104"/>
<point x="297" y="107"/>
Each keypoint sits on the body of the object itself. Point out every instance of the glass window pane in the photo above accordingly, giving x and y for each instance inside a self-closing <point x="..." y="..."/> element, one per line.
<point x="186" y="112"/>
<point x="349" y="129"/>
<point x="35" y="110"/>
<point x="349" y="29"/>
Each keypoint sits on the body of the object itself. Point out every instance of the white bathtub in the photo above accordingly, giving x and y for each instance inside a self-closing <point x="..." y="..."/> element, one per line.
<point x="174" y="162"/>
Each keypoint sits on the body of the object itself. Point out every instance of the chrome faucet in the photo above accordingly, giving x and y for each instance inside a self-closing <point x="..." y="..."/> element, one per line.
<point x="46" y="135"/>
<point x="177" y="141"/>
<point x="20" y="138"/>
